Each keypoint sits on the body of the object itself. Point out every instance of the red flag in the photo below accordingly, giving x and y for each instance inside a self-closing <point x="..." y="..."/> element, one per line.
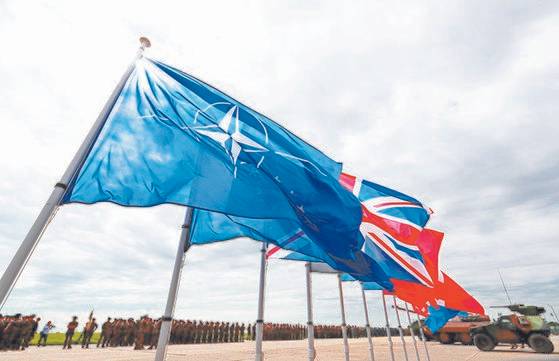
<point x="429" y="244"/>
<point x="447" y="293"/>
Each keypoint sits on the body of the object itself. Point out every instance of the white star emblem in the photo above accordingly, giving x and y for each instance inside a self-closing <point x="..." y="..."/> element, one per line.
<point x="233" y="142"/>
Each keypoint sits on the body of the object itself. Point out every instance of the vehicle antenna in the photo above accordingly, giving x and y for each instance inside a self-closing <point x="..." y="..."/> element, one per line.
<point x="504" y="287"/>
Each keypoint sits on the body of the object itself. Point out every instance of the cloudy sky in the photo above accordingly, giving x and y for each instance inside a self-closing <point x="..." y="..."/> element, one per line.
<point x="452" y="102"/>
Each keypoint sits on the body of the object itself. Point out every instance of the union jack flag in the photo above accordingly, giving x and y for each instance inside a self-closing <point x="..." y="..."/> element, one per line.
<point x="392" y="222"/>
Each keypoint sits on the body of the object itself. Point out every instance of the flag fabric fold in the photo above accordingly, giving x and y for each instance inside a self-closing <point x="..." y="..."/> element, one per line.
<point x="171" y="138"/>
<point x="208" y="227"/>
<point x="391" y="224"/>
<point x="438" y="317"/>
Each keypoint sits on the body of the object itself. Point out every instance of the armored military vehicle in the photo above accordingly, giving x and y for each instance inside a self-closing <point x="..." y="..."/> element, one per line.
<point x="524" y="326"/>
<point x="455" y="330"/>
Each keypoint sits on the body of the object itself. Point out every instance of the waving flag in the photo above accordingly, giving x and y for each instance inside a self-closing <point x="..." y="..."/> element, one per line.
<point x="391" y="224"/>
<point x="440" y="301"/>
<point x="208" y="227"/>
<point x="394" y="228"/>
<point x="429" y="244"/>
<point x="170" y="138"/>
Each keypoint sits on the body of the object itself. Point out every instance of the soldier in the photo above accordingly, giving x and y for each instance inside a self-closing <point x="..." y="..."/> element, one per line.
<point x="140" y="333"/>
<point x="121" y="332"/>
<point x="148" y="334"/>
<point x="188" y="332"/>
<point x="26" y="332"/>
<point x="254" y="332"/>
<point x="10" y="330"/>
<point x="130" y="332"/>
<point x="155" y="335"/>
<point x="195" y="332"/>
<point x="105" y="329"/>
<point x="70" y="329"/>
<point x="237" y="331"/>
<point x="174" y="331"/>
<point x="205" y="331"/>
<point x="222" y="332"/>
<point x="88" y="331"/>
<point x="242" y="332"/>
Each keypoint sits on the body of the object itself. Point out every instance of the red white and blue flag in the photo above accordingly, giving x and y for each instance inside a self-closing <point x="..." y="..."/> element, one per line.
<point x="391" y="225"/>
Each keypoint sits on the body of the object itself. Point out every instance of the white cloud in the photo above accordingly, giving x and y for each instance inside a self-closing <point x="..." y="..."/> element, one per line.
<point x="454" y="103"/>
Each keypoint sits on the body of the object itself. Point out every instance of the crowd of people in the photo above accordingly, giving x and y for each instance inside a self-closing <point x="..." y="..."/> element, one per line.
<point x="16" y="332"/>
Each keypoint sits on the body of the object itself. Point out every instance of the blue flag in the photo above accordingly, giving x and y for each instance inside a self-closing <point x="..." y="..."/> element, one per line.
<point x="170" y="138"/>
<point x="368" y="286"/>
<point x="208" y="227"/>
<point x="438" y="317"/>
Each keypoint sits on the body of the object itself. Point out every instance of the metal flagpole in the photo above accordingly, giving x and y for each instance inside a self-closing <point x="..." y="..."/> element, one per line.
<point x="261" y="292"/>
<point x="310" y="324"/>
<point x="344" y="326"/>
<point x="18" y="262"/>
<point x="367" y="324"/>
<point x="411" y="331"/>
<point x="400" y="329"/>
<point x="388" y="332"/>
<point x="423" y="336"/>
<point x="184" y="244"/>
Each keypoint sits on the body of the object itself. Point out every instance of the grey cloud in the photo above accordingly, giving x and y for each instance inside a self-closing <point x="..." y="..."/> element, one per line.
<point x="453" y="103"/>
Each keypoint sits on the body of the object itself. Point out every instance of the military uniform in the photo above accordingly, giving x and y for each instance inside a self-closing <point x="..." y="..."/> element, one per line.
<point x="70" y="329"/>
<point x="105" y="331"/>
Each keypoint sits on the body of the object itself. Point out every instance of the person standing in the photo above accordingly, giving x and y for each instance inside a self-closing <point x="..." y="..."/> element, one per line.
<point x="44" y="334"/>
<point x="70" y="329"/>
<point x="105" y="331"/>
<point x="88" y="330"/>
<point x="34" y="328"/>
<point x="141" y="332"/>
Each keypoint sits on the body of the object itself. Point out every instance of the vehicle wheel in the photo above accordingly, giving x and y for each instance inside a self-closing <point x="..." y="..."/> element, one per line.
<point x="540" y="343"/>
<point x="446" y="338"/>
<point x="465" y="339"/>
<point x="484" y="342"/>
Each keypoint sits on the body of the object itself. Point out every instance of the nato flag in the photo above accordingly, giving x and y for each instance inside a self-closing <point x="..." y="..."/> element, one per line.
<point x="208" y="227"/>
<point x="170" y="138"/>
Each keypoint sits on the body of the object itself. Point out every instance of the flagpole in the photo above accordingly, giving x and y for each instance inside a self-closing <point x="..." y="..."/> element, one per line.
<point x="423" y="336"/>
<point x="20" y="259"/>
<point x="261" y="292"/>
<point x="400" y="329"/>
<point x="367" y="324"/>
<point x="310" y="324"/>
<point x="344" y="326"/>
<point x="388" y="331"/>
<point x="411" y="332"/>
<point x="165" y="331"/>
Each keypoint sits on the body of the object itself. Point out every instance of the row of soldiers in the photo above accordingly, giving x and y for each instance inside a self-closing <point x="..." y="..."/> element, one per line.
<point x="145" y="332"/>
<point x="335" y="331"/>
<point x="16" y="332"/>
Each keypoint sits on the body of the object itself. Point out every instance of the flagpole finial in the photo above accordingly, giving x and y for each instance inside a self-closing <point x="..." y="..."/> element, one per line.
<point x="145" y="43"/>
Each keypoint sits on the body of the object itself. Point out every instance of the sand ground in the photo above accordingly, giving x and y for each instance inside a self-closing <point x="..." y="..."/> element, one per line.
<point x="327" y="350"/>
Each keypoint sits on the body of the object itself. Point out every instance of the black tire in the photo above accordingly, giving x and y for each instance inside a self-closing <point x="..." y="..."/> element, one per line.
<point x="540" y="343"/>
<point x="484" y="342"/>
<point x="446" y="338"/>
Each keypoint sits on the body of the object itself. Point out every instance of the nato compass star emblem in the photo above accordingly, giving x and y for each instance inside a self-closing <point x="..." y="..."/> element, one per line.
<point x="228" y="135"/>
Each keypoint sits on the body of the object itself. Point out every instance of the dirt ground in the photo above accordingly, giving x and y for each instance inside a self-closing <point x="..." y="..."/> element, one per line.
<point x="327" y="350"/>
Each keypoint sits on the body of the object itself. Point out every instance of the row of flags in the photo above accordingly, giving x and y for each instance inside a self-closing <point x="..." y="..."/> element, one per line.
<point x="171" y="138"/>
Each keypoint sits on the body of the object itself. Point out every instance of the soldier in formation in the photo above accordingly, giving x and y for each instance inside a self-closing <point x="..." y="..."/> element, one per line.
<point x="16" y="332"/>
<point x="70" y="329"/>
<point x="283" y="331"/>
